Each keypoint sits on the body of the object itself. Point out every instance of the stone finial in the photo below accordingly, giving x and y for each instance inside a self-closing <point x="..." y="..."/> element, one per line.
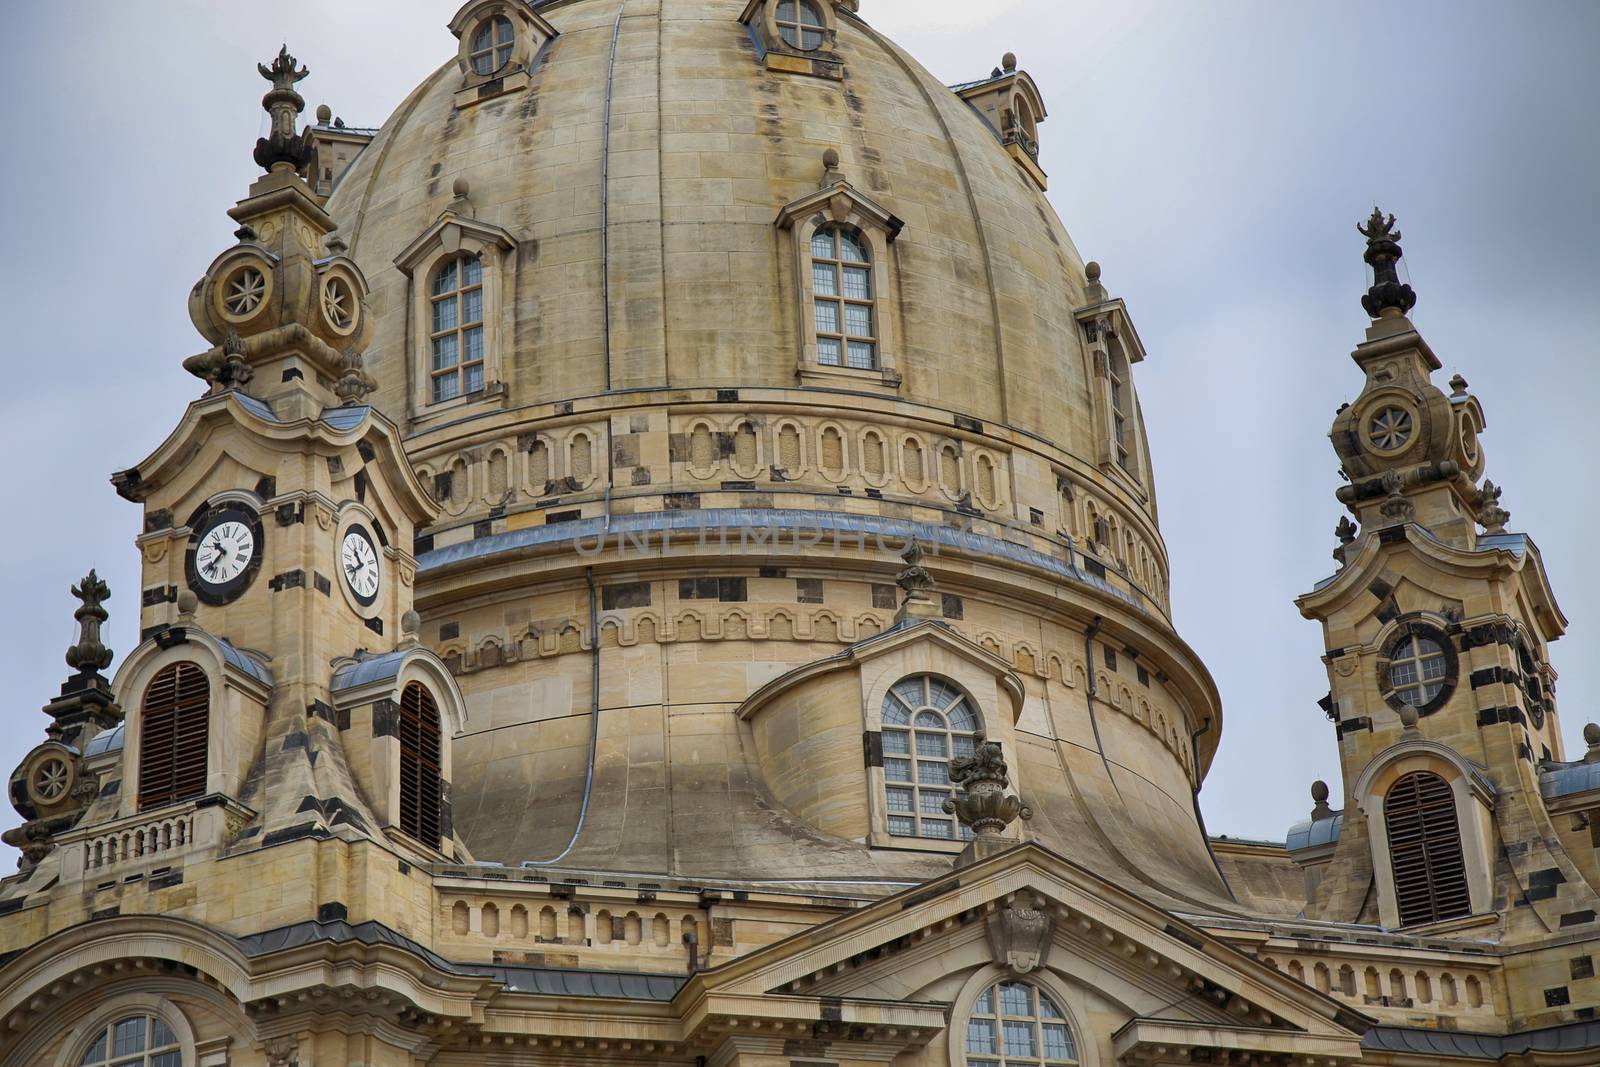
<point x="461" y="188"/>
<point x="1094" y="291"/>
<point x="1409" y="717"/>
<point x="1008" y="62"/>
<point x="90" y="655"/>
<point x="1388" y="295"/>
<point x="354" y="384"/>
<point x="1490" y="515"/>
<point x="283" y="144"/>
<point x="1319" y="800"/>
<point x="831" y="174"/>
<point x="983" y="803"/>
<point x="188" y="604"/>
<point x="1396" y="507"/>
<point x="324" y="114"/>
<point x="915" y="583"/>
<point x="1591" y="737"/>
<point x="1458" y="385"/>
<point x="410" y="628"/>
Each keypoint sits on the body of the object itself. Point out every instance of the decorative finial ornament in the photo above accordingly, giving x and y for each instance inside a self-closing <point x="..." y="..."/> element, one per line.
<point x="354" y="382"/>
<point x="324" y="114"/>
<point x="410" y="627"/>
<point x="1346" y="530"/>
<point x="983" y="803"/>
<point x="1008" y="62"/>
<point x="89" y="654"/>
<point x="1591" y="737"/>
<point x="1409" y="717"/>
<point x="914" y="580"/>
<point x="1491" y="516"/>
<point x="1396" y="507"/>
<point x="188" y="604"/>
<point x="1319" y="800"/>
<point x="1388" y="293"/>
<point x="283" y="145"/>
<point x="1458" y="385"/>
<point x="831" y="174"/>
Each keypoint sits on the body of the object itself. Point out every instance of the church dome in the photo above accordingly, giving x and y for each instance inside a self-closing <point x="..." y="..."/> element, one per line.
<point x="694" y="315"/>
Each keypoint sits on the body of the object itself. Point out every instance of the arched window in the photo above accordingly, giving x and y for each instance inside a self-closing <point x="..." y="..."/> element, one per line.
<point x="1016" y="1024"/>
<point x="491" y="45"/>
<point x="1430" y="877"/>
<point x="174" y="736"/>
<point x="1418" y="668"/>
<point x="1121" y="403"/>
<point x="137" y="1041"/>
<point x="800" y="24"/>
<point x="841" y="286"/>
<point x="926" y="723"/>
<point x="420" y="765"/>
<point x="456" y="329"/>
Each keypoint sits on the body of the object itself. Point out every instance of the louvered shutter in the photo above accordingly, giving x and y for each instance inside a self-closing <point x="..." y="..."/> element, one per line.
<point x="1430" y="875"/>
<point x="420" y="765"/>
<point x="174" y="735"/>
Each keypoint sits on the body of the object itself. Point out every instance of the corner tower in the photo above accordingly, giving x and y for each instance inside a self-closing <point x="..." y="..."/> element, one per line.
<point x="1438" y="625"/>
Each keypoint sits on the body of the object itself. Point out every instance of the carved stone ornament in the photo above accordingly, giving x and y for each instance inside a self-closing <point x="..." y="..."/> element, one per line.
<point x="983" y="803"/>
<point x="1491" y="516"/>
<point x="354" y="384"/>
<point x="1388" y="293"/>
<point x="284" y="144"/>
<point x="90" y="654"/>
<point x="1020" y="934"/>
<point x="1396" y="507"/>
<point x="914" y="579"/>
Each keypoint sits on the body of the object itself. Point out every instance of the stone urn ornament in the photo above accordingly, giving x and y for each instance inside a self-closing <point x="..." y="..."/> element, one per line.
<point x="983" y="803"/>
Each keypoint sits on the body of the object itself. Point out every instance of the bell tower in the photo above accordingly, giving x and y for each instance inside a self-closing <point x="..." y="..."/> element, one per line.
<point x="1437" y="628"/>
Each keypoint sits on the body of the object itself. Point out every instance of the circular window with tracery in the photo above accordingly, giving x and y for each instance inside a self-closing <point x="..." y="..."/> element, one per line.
<point x="1016" y="1024"/>
<point x="136" y="1041"/>
<point x="1390" y="429"/>
<point x="243" y="292"/>
<point x="339" y="304"/>
<point x="50" y="780"/>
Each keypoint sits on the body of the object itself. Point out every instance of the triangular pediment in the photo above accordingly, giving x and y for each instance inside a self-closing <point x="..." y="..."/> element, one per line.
<point x="1033" y="914"/>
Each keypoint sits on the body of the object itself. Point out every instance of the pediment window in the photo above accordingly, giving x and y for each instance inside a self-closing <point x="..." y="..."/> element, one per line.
<point x="1016" y="1024"/>
<point x="927" y="723"/>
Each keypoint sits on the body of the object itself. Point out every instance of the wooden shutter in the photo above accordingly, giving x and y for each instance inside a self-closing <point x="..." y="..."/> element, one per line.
<point x="174" y="735"/>
<point x="1430" y="876"/>
<point x="420" y="765"/>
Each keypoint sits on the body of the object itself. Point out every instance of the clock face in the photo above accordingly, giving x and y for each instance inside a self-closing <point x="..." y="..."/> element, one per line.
<point x="224" y="554"/>
<point x="358" y="561"/>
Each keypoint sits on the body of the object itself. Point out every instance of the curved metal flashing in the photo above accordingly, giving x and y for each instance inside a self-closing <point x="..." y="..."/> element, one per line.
<point x="1571" y="1037"/>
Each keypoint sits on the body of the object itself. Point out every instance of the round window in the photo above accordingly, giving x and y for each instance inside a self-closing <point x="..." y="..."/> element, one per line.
<point x="243" y="292"/>
<point x="800" y="25"/>
<point x="339" y="303"/>
<point x="491" y="45"/>
<point x="1418" y="668"/>
<point x="1390" y="429"/>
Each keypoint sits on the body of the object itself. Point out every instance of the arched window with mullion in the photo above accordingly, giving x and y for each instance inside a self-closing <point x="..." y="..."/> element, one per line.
<point x="800" y="25"/>
<point x="456" y="331"/>
<point x="135" y="1041"/>
<point x="491" y="45"/>
<point x="843" y="300"/>
<point x="1016" y="1024"/>
<point x="927" y="722"/>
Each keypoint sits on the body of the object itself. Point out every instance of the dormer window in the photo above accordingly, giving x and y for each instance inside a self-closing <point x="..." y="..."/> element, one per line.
<point x="491" y="44"/>
<point x="841" y="284"/>
<point x="1112" y="348"/>
<point x="800" y="25"/>
<point x="457" y="319"/>
<point x="1009" y="102"/>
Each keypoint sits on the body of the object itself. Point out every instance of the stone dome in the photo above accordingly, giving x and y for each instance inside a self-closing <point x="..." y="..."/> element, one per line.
<point x="664" y="574"/>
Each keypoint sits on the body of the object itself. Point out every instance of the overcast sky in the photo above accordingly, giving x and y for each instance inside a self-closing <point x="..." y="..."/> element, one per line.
<point x="1214" y="157"/>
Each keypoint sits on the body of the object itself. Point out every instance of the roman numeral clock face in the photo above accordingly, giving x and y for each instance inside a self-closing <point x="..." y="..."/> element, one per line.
<point x="224" y="554"/>
<point x="358" y="562"/>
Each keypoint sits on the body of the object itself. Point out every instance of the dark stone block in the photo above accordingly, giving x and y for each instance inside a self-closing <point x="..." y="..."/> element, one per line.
<point x="774" y="572"/>
<point x="1557" y="998"/>
<point x="732" y="590"/>
<point x="808" y="590"/>
<point x="361" y="486"/>
<point x="289" y="514"/>
<point x="872" y="748"/>
<point x="295" y="579"/>
<point x="1350" y="726"/>
<point x="376" y="626"/>
<point x="267" y="488"/>
<point x="332" y="912"/>
<point x="886" y="597"/>
<point x="1577" y="918"/>
<point x="161" y="594"/>
<point x="482" y="528"/>
<point x="556" y="517"/>
<point x="951" y="607"/>
<point x="322" y="583"/>
<point x="681" y="502"/>
<point x="385" y="718"/>
<point x="449" y="631"/>
<point x="158" y="519"/>
<point x="368" y="453"/>
<point x="631" y="595"/>
<point x="727" y="396"/>
<point x="422" y="545"/>
<point x="1582" y="967"/>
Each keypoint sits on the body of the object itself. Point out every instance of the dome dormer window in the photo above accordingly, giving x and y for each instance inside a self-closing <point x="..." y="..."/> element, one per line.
<point x="796" y="36"/>
<point x="500" y="43"/>
<point x="1008" y="101"/>
<point x="841" y="283"/>
<point x="800" y="25"/>
<point x="491" y="45"/>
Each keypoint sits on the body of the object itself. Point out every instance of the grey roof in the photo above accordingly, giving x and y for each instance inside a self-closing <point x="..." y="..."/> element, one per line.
<point x="245" y="663"/>
<point x="1572" y="1037"/>
<point x="542" y="980"/>
<point x="367" y="670"/>
<point x="345" y="418"/>
<point x="1313" y="832"/>
<point x="848" y="530"/>
<point x="1565" y="781"/>
<point x="259" y="408"/>
<point x="1516" y="542"/>
<point x="105" y="741"/>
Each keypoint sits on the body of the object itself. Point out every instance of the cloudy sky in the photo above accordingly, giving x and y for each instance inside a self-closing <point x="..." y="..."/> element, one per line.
<point x="1214" y="157"/>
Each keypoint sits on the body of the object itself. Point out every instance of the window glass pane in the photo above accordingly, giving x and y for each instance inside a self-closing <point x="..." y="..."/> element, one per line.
<point x="857" y="283"/>
<point x="962" y="746"/>
<point x="167" y="1059"/>
<point x="786" y="10"/>
<point x="939" y="828"/>
<point x="474" y="340"/>
<point x="980" y="1036"/>
<point x="474" y="377"/>
<point x="1047" y="1008"/>
<point x="97" y="1051"/>
<point x="932" y="801"/>
<point x="932" y="745"/>
<point x="1403" y="650"/>
<point x="444" y="314"/>
<point x="929" y="720"/>
<point x="127" y="1037"/>
<point x="932" y="774"/>
<point x="851" y="248"/>
<point x="902" y="826"/>
<point x="1433" y="668"/>
<point x="827" y="316"/>
<point x="504" y="31"/>
<point x="900" y="800"/>
<point x="483" y="64"/>
<point x="446" y="387"/>
<point x="822" y="244"/>
<point x="911" y="692"/>
<point x="445" y="352"/>
<point x="824" y="280"/>
<point x="1019" y="1039"/>
<point x="161" y="1034"/>
<point x="471" y="271"/>
<point x="858" y="317"/>
<point x="502" y="56"/>
<point x="472" y="306"/>
<point x="897" y="770"/>
<point x="942" y="695"/>
<point x="894" y="712"/>
<point x="961" y="717"/>
<point x="445" y="280"/>
<point x="985" y="1004"/>
<point x="1403" y="673"/>
<point x="809" y="15"/>
<point x="863" y="355"/>
<point x="810" y="40"/>
<point x="1058" y="1043"/>
<point x="828" y="352"/>
<point x="897" y="742"/>
<point x="965" y="832"/>
<point x="482" y="39"/>
<point x="1016" y="998"/>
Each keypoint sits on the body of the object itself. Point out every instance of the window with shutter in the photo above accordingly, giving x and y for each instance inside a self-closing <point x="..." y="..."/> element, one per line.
<point x="420" y="765"/>
<point x="174" y="736"/>
<point x="1430" y="876"/>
